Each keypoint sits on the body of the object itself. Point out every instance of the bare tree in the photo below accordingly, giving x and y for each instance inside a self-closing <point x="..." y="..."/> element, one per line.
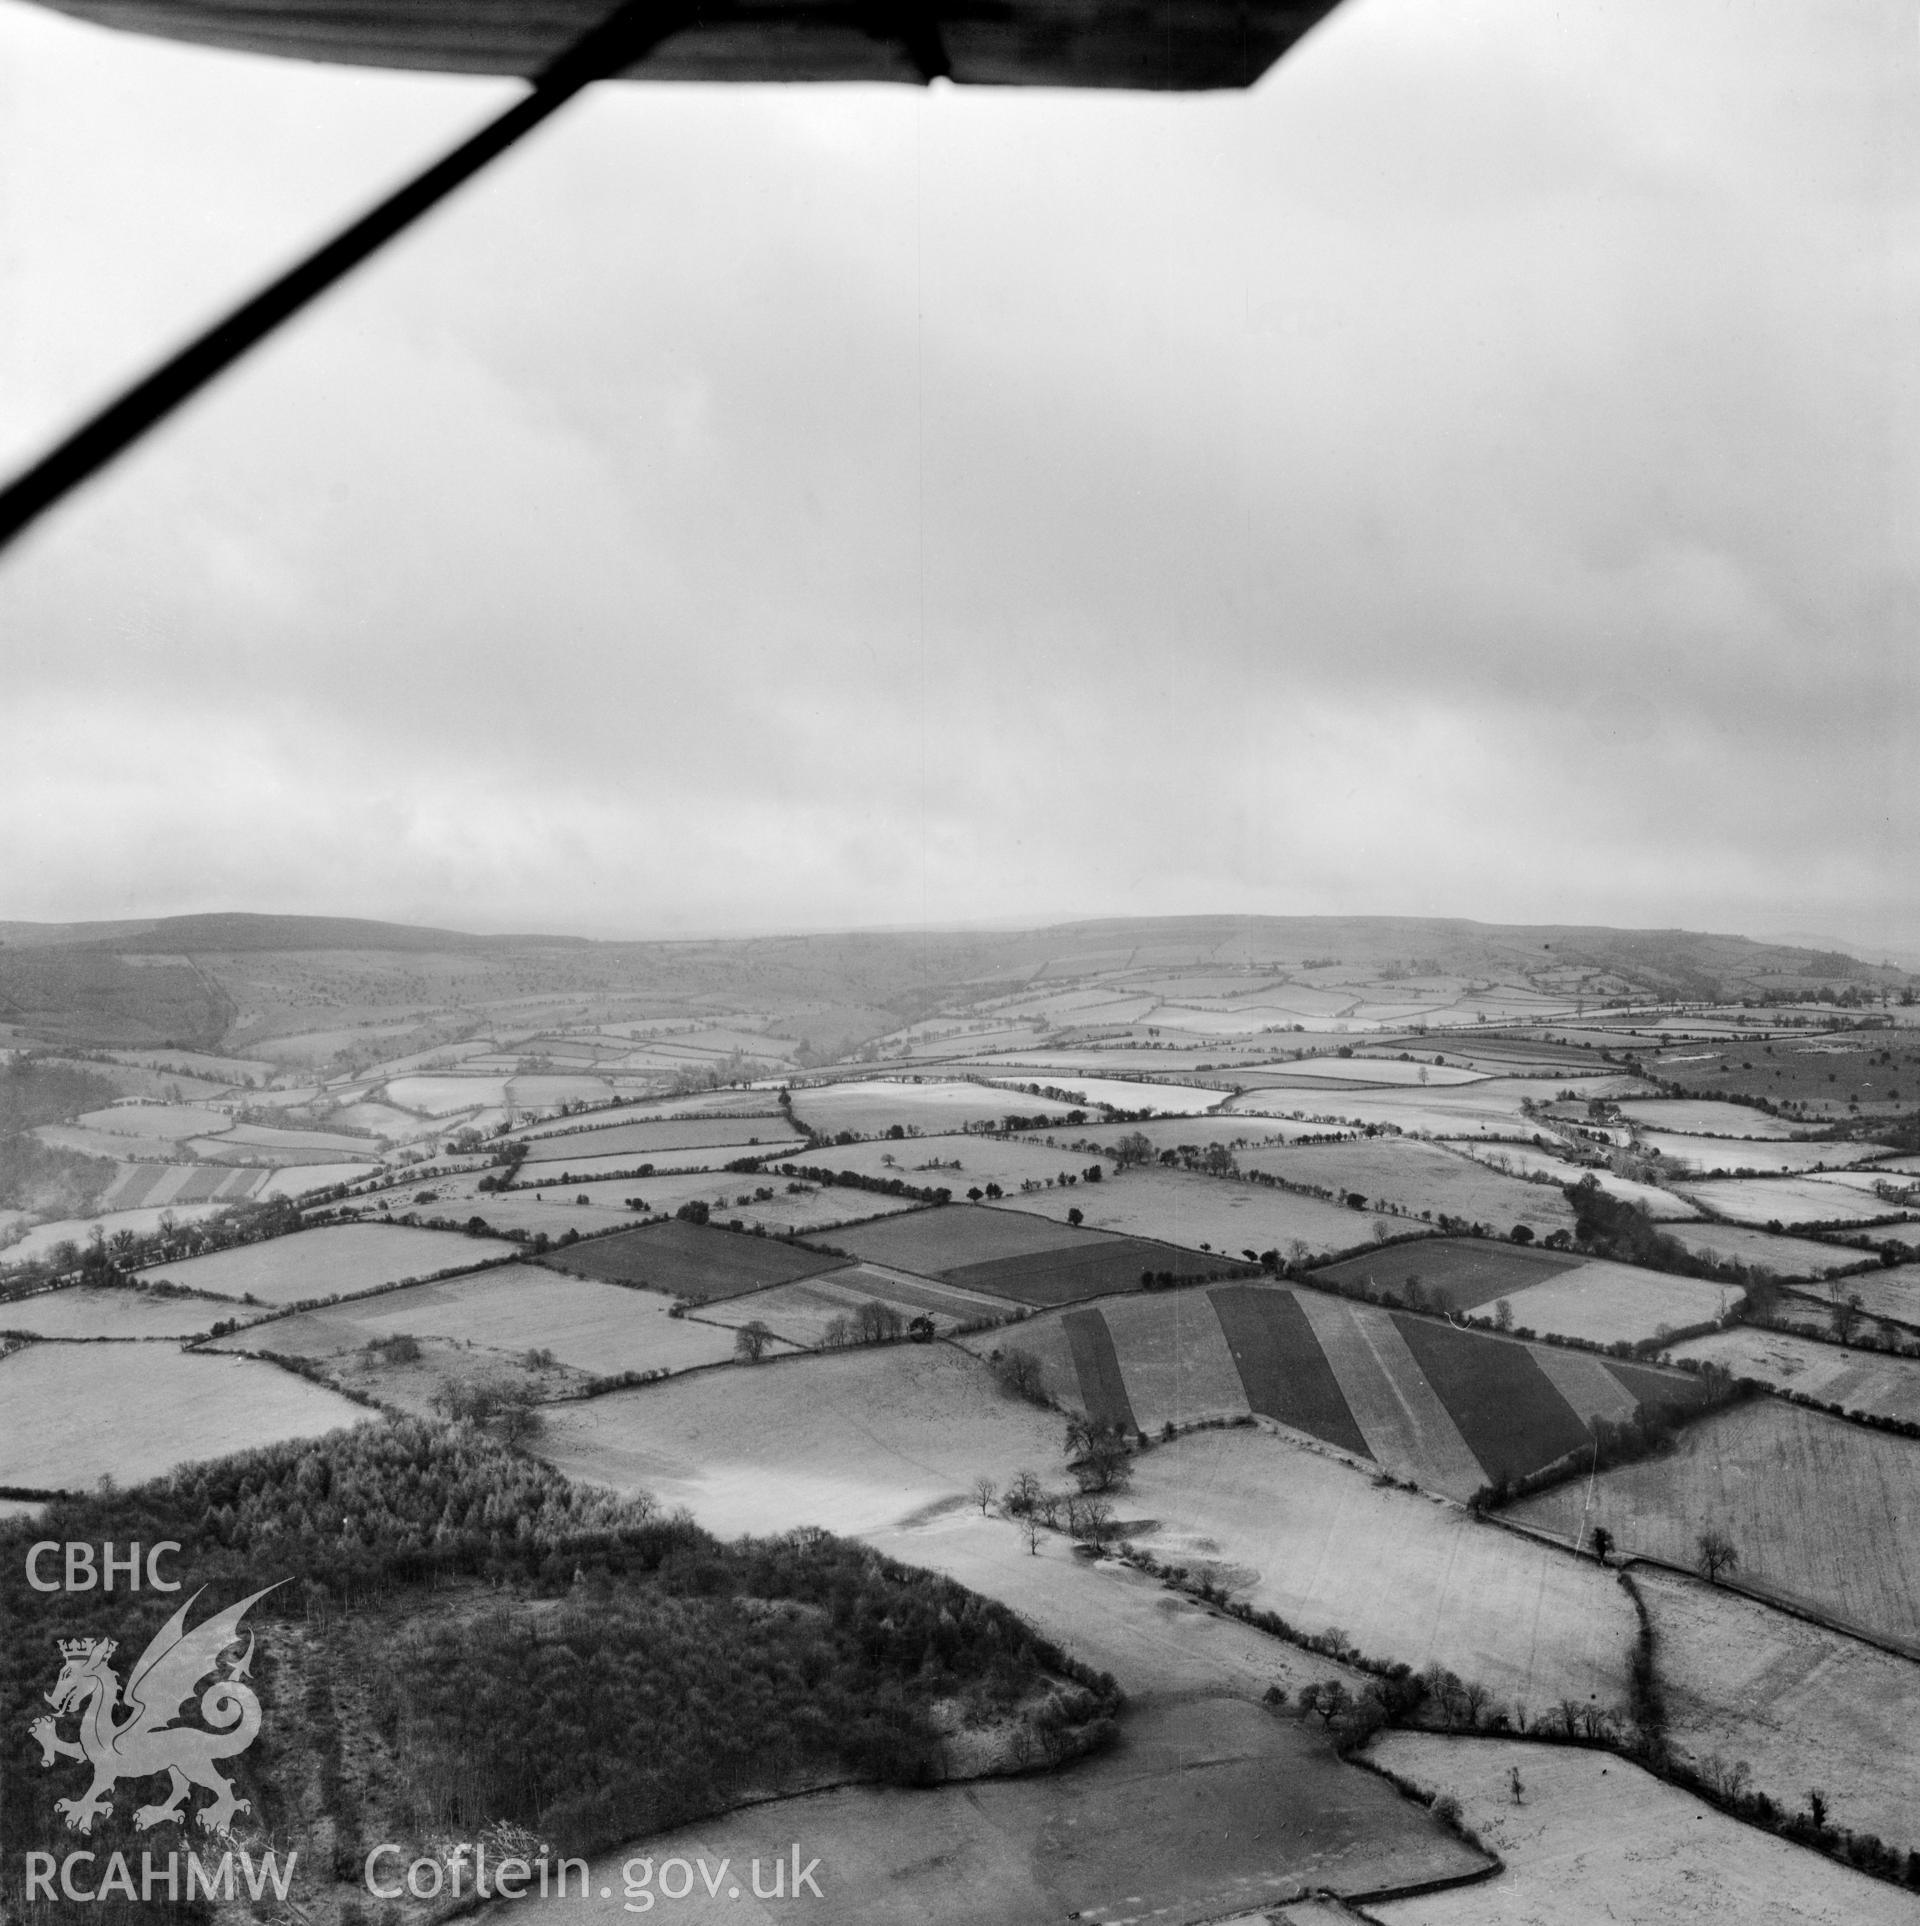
<point x="984" y="1493"/>
<point x="750" y="1341"/>
<point x="1717" y="1554"/>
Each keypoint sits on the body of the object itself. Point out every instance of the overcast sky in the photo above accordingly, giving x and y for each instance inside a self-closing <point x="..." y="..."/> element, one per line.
<point x="1473" y="473"/>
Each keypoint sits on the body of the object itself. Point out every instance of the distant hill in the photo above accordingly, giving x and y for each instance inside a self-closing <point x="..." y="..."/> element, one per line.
<point x="185" y="980"/>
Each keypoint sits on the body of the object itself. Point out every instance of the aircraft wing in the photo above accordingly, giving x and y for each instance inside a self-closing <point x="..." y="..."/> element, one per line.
<point x="1157" y="45"/>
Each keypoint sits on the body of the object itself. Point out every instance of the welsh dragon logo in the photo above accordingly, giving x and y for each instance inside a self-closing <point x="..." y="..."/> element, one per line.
<point x="134" y="1735"/>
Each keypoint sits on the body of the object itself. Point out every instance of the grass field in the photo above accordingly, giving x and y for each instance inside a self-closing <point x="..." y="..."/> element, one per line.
<point x="1726" y="1156"/>
<point x="1450" y="1409"/>
<point x="868" y="1441"/>
<point x="873" y="1105"/>
<point x="1206" y="1805"/>
<point x="1891" y="1293"/>
<point x="72" y="1414"/>
<point x="1822" y="1510"/>
<point x="1784" y="1200"/>
<point x="1803" y="1705"/>
<point x="1006" y="1161"/>
<point x="1527" y="1159"/>
<point x="1178" y="1207"/>
<point x="1418" y="1177"/>
<point x="1601" y="1839"/>
<point x="1090" y="1268"/>
<point x="1120" y="1093"/>
<point x="1703" y="1117"/>
<point x="77" y="1312"/>
<point x="1405" y="1577"/>
<point x="954" y="1236"/>
<point x="801" y="1312"/>
<point x="593" y="1327"/>
<point x="343" y="1258"/>
<point x="1854" y="1380"/>
<point x="1784" y="1256"/>
<point x="42" y="1239"/>
<point x="1607" y="1302"/>
<point x="1283" y="1371"/>
<point x="163" y="1120"/>
<point x="580" y="1165"/>
<point x="1456" y="1276"/>
<point x="855" y="1441"/>
<point x="639" y="1141"/>
<point x="691" y="1261"/>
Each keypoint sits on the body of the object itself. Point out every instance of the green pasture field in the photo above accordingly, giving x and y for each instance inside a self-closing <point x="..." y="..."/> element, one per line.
<point x="1824" y="1511"/>
<point x="72" y="1414"/>
<point x="692" y="1261"/>
<point x="1421" y="1179"/>
<point x="342" y="1258"/>
<point x="602" y="1329"/>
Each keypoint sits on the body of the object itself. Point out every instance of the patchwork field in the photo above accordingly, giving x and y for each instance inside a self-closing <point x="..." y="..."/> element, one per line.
<point x="1206" y="1806"/>
<point x="593" y="1327"/>
<point x="1818" y="1509"/>
<point x="1784" y="1200"/>
<point x="79" y="1312"/>
<point x="343" y="1258"/>
<point x="139" y="1184"/>
<point x="1451" y="1410"/>
<point x="1621" y="1839"/>
<point x="72" y="1414"/>
<point x="1420" y="1178"/>
<point x="1180" y="1207"/>
<point x="43" y="1239"/>
<point x="692" y="1261"/>
<point x="1854" y="1380"/>
<point x="867" y="1441"/>
<point x="802" y="1312"/>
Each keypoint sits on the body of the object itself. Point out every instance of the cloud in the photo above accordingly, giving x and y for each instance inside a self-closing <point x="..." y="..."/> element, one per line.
<point x="1474" y="473"/>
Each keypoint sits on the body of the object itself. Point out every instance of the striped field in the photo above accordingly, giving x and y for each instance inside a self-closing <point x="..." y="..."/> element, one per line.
<point x="1447" y="1408"/>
